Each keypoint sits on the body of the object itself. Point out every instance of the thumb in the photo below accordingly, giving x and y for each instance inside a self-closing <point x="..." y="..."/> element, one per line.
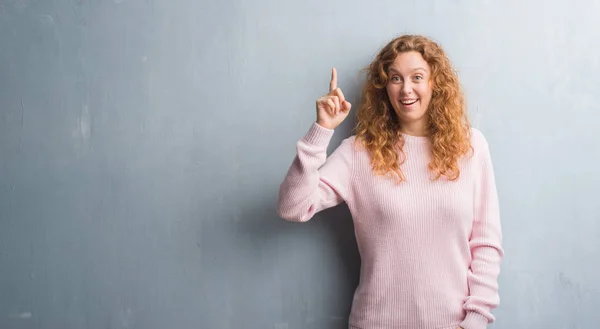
<point x="346" y="106"/>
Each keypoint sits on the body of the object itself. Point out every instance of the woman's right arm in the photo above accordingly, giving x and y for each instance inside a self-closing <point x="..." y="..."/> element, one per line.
<point x="313" y="181"/>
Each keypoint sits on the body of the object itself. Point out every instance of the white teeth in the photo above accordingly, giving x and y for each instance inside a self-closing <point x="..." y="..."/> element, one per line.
<point x="409" y="102"/>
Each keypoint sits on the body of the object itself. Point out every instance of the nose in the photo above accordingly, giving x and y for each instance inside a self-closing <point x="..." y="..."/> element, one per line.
<point x="406" y="88"/>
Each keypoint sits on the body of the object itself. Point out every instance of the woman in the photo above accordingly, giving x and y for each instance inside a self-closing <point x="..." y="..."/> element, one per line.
<point x="419" y="183"/>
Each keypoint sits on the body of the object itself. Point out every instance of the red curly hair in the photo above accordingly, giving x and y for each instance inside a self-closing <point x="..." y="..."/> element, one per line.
<point x="378" y="126"/>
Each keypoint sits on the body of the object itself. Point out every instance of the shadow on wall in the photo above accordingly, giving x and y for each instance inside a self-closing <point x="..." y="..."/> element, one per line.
<point x="263" y="244"/>
<point x="262" y="236"/>
<point x="338" y="223"/>
<point x="246" y="239"/>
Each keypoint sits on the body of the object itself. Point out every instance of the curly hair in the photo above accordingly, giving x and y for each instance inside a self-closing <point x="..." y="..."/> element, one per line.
<point x="378" y="126"/>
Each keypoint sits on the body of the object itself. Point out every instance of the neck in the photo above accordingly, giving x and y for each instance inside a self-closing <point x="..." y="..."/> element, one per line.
<point x="415" y="129"/>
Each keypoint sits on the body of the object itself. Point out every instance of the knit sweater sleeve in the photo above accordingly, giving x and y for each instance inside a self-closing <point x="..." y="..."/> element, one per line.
<point x="315" y="182"/>
<point x="485" y="244"/>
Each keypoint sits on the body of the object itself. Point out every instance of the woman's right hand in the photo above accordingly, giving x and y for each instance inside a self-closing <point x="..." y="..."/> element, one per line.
<point x="332" y="108"/>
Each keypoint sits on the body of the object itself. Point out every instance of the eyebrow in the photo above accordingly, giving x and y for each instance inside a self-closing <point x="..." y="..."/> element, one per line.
<point x="415" y="69"/>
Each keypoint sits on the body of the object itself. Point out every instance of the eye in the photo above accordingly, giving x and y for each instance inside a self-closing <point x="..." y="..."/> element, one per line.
<point x="395" y="78"/>
<point x="418" y="77"/>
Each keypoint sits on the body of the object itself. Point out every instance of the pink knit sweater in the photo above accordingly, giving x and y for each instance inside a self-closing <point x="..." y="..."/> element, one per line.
<point x="430" y="250"/>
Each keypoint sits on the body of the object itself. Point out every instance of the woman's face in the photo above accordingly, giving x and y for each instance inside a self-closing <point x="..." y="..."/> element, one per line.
<point x="409" y="89"/>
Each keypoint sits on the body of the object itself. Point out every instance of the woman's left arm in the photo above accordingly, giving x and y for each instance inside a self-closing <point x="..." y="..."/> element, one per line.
<point x="485" y="244"/>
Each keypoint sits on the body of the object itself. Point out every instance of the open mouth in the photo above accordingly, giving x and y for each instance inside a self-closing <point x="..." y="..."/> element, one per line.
<point x="408" y="102"/>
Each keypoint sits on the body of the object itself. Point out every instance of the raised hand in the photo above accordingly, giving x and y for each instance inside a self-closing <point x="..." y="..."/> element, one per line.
<point x="332" y="108"/>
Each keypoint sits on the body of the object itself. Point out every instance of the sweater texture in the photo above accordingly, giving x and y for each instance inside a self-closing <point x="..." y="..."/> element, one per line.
<point x="430" y="249"/>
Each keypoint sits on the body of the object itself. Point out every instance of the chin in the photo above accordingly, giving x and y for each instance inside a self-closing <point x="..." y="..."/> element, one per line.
<point x="413" y="115"/>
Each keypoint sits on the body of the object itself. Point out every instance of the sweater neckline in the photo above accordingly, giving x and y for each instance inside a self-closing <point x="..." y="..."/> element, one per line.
<point x="412" y="139"/>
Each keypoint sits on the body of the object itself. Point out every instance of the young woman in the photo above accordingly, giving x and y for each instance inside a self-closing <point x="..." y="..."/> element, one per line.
<point x="420" y="185"/>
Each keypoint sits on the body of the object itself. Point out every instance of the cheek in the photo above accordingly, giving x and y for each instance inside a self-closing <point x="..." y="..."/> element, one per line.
<point x="425" y="93"/>
<point x="391" y="92"/>
<point x="390" y="89"/>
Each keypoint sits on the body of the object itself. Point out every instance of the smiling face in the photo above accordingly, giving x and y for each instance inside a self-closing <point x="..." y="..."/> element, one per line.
<point x="409" y="89"/>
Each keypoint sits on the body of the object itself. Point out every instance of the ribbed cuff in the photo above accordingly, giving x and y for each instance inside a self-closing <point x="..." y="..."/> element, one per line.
<point x="474" y="320"/>
<point x="318" y="135"/>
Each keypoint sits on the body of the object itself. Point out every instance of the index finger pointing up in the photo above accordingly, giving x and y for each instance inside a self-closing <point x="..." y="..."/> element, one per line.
<point x="333" y="83"/>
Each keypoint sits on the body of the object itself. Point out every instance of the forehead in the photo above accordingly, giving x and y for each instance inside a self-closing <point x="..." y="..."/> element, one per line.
<point x="409" y="61"/>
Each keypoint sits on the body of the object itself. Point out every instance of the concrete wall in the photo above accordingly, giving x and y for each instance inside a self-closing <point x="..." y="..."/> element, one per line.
<point x="142" y="144"/>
